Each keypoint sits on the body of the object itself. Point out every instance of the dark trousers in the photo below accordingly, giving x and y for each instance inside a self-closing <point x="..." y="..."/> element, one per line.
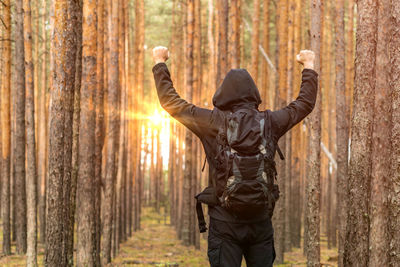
<point x="229" y="242"/>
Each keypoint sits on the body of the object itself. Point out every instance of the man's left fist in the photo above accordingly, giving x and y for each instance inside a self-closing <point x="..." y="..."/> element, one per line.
<point x="160" y="54"/>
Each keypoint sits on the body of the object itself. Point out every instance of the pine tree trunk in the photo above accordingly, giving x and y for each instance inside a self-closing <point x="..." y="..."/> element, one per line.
<point x="255" y="40"/>
<point x="266" y="104"/>
<point x="342" y="127"/>
<point x="60" y="134"/>
<point x="381" y="144"/>
<point x="113" y="123"/>
<point x="75" y="137"/>
<point x="394" y="181"/>
<point x="19" y="156"/>
<point x="31" y="172"/>
<point x="99" y="131"/>
<point x="234" y="34"/>
<point x="313" y="187"/>
<point x="6" y="130"/>
<point x="86" y="243"/>
<point x="222" y="51"/>
<point x="357" y="246"/>
<point x="281" y="96"/>
<point x="43" y="129"/>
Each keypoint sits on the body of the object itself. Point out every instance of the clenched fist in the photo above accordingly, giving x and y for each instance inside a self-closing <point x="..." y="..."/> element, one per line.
<point x="306" y="57"/>
<point x="160" y="54"/>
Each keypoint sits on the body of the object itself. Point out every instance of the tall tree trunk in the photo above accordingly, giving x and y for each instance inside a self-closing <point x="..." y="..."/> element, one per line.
<point x="86" y="245"/>
<point x="222" y="52"/>
<point x="113" y="74"/>
<point x="63" y="60"/>
<point x="99" y="135"/>
<point x="313" y="188"/>
<point x="6" y="129"/>
<point x="139" y="85"/>
<point x="233" y="34"/>
<point x="279" y="220"/>
<point x="394" y="182"/>
<point x="381" y="143"/>
<point x="19" y="156"/>
<point x="75" y="136"/>
<point x="188" y="135"/>
<point x="288" y="136"/>
<point x="255" y="40"/>
<point x="357" y="246"/>
<point x="43" y="128"/>
<point x="31" y="172"/>
<point x="342" y="127"/>
<point x="264" y="66"/>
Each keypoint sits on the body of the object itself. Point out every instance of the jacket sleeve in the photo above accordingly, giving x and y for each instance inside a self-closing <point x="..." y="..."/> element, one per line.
<point x="284" y="119"/>
<point x="195" y="118"/>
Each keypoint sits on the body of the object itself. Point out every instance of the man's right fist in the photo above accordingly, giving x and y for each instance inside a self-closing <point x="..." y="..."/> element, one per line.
<point x="306" y="57"/>
<point x="160" y="54"/>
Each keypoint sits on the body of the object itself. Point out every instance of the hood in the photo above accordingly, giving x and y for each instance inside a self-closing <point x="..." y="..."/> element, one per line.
<point x="238" y="90"/>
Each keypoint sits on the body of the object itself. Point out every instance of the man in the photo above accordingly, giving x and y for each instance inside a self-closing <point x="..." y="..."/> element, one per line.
<point x="230" y="238"/>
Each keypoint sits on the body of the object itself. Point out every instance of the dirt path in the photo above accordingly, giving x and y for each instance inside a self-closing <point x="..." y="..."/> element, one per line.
<point x="156" y="245"/>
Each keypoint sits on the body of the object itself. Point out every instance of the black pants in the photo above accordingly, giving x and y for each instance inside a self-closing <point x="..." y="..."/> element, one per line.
<point x="229" y="242"/>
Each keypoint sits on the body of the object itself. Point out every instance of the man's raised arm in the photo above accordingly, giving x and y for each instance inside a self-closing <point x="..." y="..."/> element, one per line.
<point x="195" y="118"/>
<point x="287" y="117"/>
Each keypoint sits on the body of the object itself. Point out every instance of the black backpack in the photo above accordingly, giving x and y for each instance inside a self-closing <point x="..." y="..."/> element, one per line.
<point x="245" y="166"/>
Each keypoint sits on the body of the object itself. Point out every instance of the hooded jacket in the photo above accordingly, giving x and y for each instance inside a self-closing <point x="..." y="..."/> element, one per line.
<point x="237" y="91"/>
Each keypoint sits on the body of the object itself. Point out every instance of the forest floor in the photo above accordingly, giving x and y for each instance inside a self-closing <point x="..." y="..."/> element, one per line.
<point x="156" y="245"/>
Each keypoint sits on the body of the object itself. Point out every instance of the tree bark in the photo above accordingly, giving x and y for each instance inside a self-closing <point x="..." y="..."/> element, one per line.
<point x="75" y="136"/>
<point x="63" y="66"/>
<point x="233" y="34"/>
<point x="6" y="130"/>
<point x="43" y="129"/>
<point x="99" y="135"/>
<point x="357" y="246"/>
<point x="313" y="188"/>
<point x="19" y="152"/>
<point x="255" y="40"/>
<point x="342" y="127"/>
<point x="394" y="182"/>
<point x="381" y="144"/>
<point x="31" y="172"/>
<point x="86" y="245"/>
<point x="281" y="96"/>
<point x="222" y="52"/>
<point x="113" y="123"/>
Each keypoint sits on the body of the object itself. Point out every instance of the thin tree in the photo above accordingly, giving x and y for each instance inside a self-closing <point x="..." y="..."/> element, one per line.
<point x="188" y="135"/>
<point x="6" y="129"/>
<point x="112" y="136"/>
<point x="139" y="85"/>
<point x="19" y="133"/>
<point x="313" y="187"/>
<point x="255" y="40"/>
<point x="222" y="47"/>
<point x="264" y="63"/>
<point x="31" y="172"/>
<point x="381" y="143"/>
<point x="342" y="126"/>
<point x="75" y="135"/>
<point x="86" y="245"/>
<point x="233" y="34"/>
<point x="99" y="132"/>
<point x="394" y="186"/>
<point x="357" y="246"/>
<point x="279" y="214"/>
<point x="42" y="140"/>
